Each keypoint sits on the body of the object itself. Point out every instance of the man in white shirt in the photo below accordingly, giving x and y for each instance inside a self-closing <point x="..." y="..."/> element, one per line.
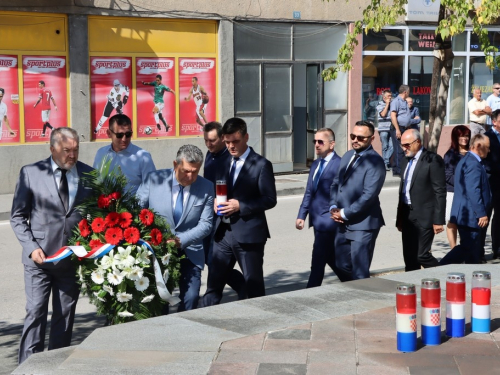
<point x="493" y="101"/>
<point x="479" y="111"/>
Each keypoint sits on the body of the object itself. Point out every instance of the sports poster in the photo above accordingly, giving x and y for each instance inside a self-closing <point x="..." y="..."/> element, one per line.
<point x="9" y="103"/>
<point x="111" y="91"/>
<point x="151" y="111"/>
<point x="45" y="96"/>
<point x="197" y="96"/>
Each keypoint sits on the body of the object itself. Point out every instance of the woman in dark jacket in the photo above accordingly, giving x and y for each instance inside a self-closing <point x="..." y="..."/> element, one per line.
<point x="460" y="136"/>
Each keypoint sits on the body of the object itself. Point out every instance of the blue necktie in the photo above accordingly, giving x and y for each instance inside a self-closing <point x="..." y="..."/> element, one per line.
<point x="407" y="175"/>
<point x="178" y="205"/>
<point x="231" y="172"/>
<point x="318" y="173"/>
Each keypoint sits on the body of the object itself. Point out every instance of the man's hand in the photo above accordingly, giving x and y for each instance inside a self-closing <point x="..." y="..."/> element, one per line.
<point x="299" y="224"/>
<point x="230" y="207"/>
<point x="55" y="107"/>
<point x="400" y="228"/>
<point x="38" y="256"/>
<point x="387" y="101"/>
<point x="176" y="241"/>
<point x="483" y="222"/>
<point x="335" y="215"/>
<point x="437" y="228"/>
<point x="417" y="117"/>
<point x="398" y="133"/>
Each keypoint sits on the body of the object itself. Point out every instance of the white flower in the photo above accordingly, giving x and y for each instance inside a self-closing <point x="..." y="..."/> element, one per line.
<point x="166" y="259"/>
<point x="148" y="298"/>
<point x="135" y="273"/>
<point x="143" y="256"/>
<point x="80" y="273"/>
<point x="125" y="314"/>
<point x="142" y="284"/>
<point x="115" y="277"/>
<point x="107" y="260"/>
<point x="123" y="297"/>
<point x="108" y="289"/>
<point x="123" y="257"/>
<point x="96" y="294"/>
<point x="97" y="276"/>
<point x="165" y="275"/>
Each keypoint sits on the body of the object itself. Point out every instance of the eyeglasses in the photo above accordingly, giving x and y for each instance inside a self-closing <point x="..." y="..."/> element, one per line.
<point x="318" y="141"/>
<point x="407" y="145"/>
<point x="121" y="135"/>
<point x="496" y="88"/>
<point x="360" y="138"/>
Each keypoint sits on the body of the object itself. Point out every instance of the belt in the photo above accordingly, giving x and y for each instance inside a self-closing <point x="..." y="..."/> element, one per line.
<point x="479" y="123"/>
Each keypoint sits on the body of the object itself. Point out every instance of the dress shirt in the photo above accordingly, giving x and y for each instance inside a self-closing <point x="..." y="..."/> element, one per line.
<point x="496" y="133"/>
<point x="71" y="176"/>
<point x="473" y="105"/>
<point x="327" y="159"/>
<point x="476" y="156"/>
<point x="493" y="102"/>
<point x="134" y="162"/>
<point x="239" y="164"/>
<point x="175" y="192"/>
<point x="409" y="174"/>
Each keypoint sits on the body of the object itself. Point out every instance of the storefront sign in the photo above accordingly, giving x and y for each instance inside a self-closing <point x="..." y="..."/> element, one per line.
<point x="9" y="104"/>
<point x="422" y="10"/>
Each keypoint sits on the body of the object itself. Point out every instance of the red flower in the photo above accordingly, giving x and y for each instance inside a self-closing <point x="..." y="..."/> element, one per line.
<point x="103" y="201"/>
<point x="85" y="231"/>
<point x="112" y="219"/>
<point x="132" y="235"/>
<point x="98" y="225"/>
<point x="146" y="216"/>
<point x="95" y="244"/>
<point x="83" y="225"/>
<point x="116" y="195"/>
<point x="125" y="219"/>
<point x="113" y="236"/>
<point x="156" y="236"/>
<point x="77" y="243"/>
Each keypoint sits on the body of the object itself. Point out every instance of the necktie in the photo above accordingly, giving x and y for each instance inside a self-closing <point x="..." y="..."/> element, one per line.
<point x="318" y="173"/>
<point x="178" y="205"/>
<point x="407" y="175"/>
<point x="64" y="189"/>
<point x="231" y="172"/>
<point x="349" y="167"/>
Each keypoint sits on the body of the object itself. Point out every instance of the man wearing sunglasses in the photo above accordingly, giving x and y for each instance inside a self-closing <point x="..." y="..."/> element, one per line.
<point x="493" y="101"/>
<point x="134" y="162"/>
<point x="422" y="201"/>
<point x="315" y="204"/>
<point x="354" y="203"/>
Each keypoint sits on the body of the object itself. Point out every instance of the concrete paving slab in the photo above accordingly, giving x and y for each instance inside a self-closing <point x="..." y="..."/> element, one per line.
<point x="281" y="369"/>
<point x="44" y="363"/>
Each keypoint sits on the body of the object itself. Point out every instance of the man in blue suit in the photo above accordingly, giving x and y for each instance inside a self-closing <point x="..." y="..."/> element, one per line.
<point x="471" y="203"/>
<point x="242" y="232"/>
<point x="315" y="204"/>
<point x="186" y="201"/>
<point x="354" y="203"/>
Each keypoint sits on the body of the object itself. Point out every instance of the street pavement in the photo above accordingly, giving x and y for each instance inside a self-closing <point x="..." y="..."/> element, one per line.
<point x="286" y="268"/>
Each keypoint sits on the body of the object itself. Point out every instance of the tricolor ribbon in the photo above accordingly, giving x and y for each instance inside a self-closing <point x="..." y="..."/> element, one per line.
<point x="82" y="253"/>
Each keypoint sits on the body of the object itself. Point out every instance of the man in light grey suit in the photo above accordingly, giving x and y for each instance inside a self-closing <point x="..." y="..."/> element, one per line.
<point x="354" y="203"/>
<point x="186" y="201"/>
<point x="43" y="216"/>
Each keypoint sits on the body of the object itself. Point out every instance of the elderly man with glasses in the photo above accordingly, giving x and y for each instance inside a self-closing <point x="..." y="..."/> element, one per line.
<point x="493" y="101"/>
<point x="134" y="162"/>
<point x="422" y="201"/>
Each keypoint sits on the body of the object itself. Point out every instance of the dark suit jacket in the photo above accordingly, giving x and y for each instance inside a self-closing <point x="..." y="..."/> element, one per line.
<point x="357" y="192"/>
<point x="472" y="198"/>
<point x="38" y="217"/>
<point x="316" y="203"/>
<point x="492" y="162"/>
<point x="427" y="190"/>
<point x="255" y="189"/>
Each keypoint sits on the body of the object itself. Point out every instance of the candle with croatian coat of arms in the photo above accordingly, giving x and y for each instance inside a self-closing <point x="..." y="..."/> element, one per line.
<point x="431" y="311"/>
<point x="406" y="317"/>
<point x="455" y="304"/>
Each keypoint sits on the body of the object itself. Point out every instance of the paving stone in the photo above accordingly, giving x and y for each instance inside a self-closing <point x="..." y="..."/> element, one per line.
<point x="343" y="360"/>
<point x="218" y="368"/>
<point x="330" y="369"/>
<point x="378" y="342"/>
<point x="254" y="342"/>
<point x="45" y="362"/>
<point x="281" y="369"/>
<point x="426" y="370"/>
<point x="463" y="346"/>
<point x="290" y="334"/>
<point x="333" y="335"/>
<point x="382" y="370"/>
<point x="478" y="365"/>
<point x="309" y="345"/>
<point x="302" y="326"/>
<point x="249" y="356"/>
<point x="331" y="327"/>
<point x="406" y="359"/>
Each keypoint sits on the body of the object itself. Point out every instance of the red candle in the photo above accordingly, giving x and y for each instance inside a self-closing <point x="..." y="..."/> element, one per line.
<point x="481" y="296"/>
<point x="455" y="292"/>
<point x="431" y="297"/>
<point x="221" y="189"/>
<point x="406" y="303"/>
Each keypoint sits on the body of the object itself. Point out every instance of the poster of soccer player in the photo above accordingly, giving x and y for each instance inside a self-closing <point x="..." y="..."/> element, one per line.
<point x="110" y="82"/>
<point x="9" y="100"/>
<point x="155" y="82"/>
<point x="197" y="96"/>
<point x="45" y="96"/>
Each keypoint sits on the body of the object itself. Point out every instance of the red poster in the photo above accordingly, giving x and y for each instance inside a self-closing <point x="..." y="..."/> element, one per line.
<point x="9" y="100"/>
<point x="197" y="96"/>
<point x="45" y="96"/>
<point x="110" y="82"/>
<point x="155" y="97"/>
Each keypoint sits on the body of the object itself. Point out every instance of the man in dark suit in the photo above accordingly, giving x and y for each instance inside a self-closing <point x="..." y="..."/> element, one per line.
<point x="186" y="202"/>
<point x="354" y="203"/>
<point x="422" y="201"/>
<point x="471" y="203"/>
<point x="242" y="232"/>
<point x="43" y="216"/>
<point x="315" y="204"/>
<point x="492" y="165"/>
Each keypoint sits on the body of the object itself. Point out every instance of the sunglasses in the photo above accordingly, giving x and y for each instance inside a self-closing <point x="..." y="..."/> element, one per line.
<point x="121" y="135"/>
<point x="360" y="138"/>
<point x="318" y="141"/>
<point x="407" y="145"/>
<point x="496" y="88"/>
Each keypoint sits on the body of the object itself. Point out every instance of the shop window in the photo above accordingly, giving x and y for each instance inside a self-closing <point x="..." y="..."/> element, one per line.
<point x="263" y="41"/>
<point x="457" y="92"/>
<point x="421" y="40"/>
<point x="317" y="42"/>
<point x="481" y="76"/>
<point x="459" y="42"/>
<point x="336" y="92"/>
<point x="277" y="98"/>
<point x="247" y="88"/>
<point x="386" y="40"/>
<point x="493" y="36"/>
<point x="419" y="80"/>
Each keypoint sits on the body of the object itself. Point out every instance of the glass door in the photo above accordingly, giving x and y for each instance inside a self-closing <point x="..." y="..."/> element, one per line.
<point x="314" y="108"/>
